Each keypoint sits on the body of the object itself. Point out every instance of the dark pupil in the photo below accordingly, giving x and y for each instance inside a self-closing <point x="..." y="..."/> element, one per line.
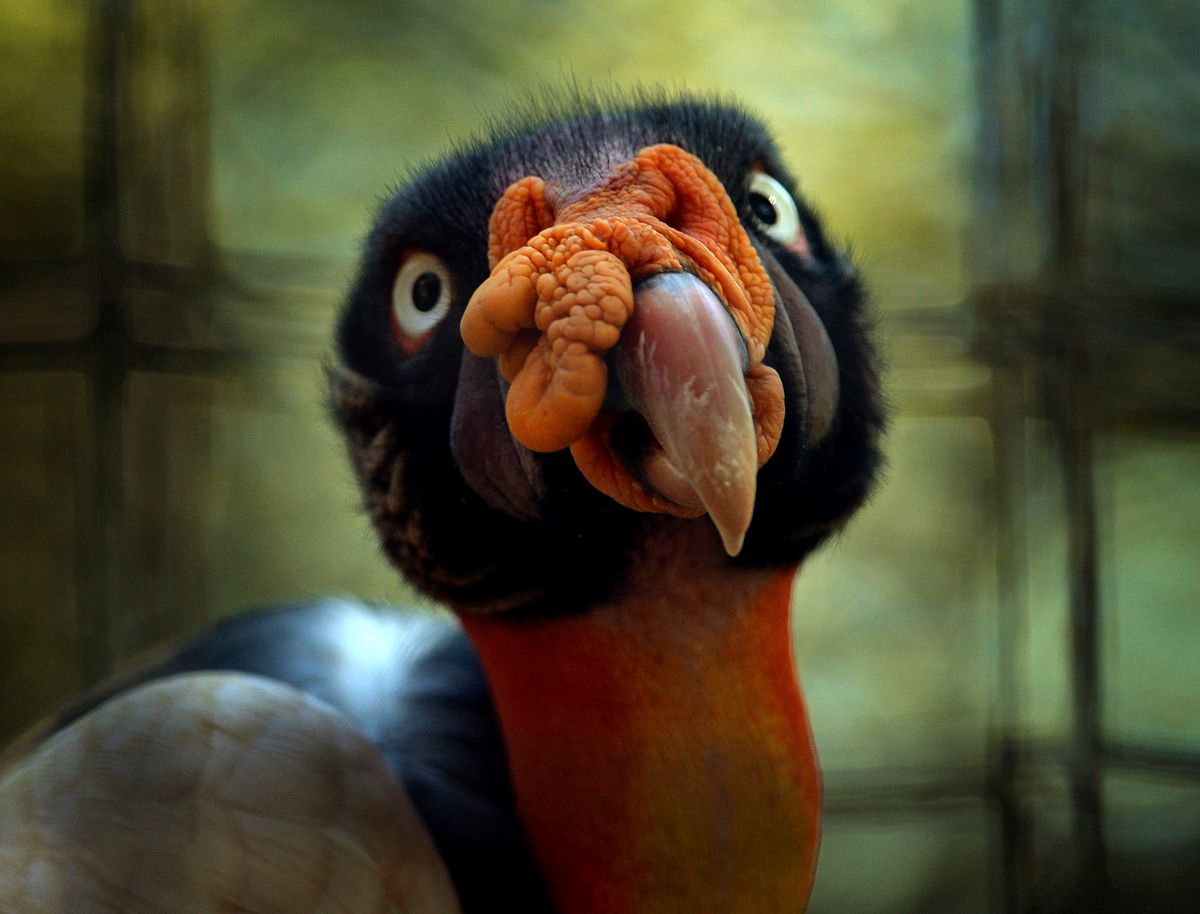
<point x="763" y="211"/>
<point x="426" y="291"/>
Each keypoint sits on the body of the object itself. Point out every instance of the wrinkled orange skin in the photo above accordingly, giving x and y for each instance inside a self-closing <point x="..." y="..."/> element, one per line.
<point x="561" y="289"/>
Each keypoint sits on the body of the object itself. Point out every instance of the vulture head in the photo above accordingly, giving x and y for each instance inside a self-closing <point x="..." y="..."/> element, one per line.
<point x="606" y="383"/>
<point x="607" y="323"/>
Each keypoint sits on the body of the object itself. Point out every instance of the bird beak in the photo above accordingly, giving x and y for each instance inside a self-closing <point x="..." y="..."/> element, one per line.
<point x="682" y="365"/>
<point x="650" y="273"/>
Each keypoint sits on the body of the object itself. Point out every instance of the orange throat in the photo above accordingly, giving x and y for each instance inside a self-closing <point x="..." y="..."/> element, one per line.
<point x="660" y="748"/>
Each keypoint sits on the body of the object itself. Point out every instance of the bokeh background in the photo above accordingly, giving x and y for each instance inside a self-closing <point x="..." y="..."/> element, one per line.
<point x="1002" y="655"/>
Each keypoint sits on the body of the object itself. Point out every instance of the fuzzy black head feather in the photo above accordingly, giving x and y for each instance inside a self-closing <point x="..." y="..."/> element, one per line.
<point x="558" y="544"/>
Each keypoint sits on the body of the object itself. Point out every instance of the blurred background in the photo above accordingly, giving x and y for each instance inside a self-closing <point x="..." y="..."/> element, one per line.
<point x="1002" y="654"/>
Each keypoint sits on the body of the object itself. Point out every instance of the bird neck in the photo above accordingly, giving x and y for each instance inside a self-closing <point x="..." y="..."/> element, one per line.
<point x="659" y="747"/>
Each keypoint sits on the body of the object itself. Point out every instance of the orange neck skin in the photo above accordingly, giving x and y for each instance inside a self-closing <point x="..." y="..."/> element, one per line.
<point x="660" y="747"/>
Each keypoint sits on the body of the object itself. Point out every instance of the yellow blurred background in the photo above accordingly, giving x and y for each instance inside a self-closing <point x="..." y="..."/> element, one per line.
<point x="1002" y="654"/>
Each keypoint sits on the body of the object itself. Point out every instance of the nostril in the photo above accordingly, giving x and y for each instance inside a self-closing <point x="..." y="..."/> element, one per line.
<point x="631" y="439"/>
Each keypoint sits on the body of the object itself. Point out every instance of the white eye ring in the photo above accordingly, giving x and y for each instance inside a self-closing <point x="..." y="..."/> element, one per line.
<point x="420" y="295"/>
<point x="772" y="198"/>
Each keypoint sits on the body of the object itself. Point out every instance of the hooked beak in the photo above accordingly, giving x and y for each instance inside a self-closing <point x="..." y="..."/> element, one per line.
<point x="649" y="274"/>
<point x="681" y="364"/>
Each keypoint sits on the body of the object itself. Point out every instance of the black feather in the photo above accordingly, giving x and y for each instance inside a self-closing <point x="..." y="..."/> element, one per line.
<point x="397" y="410"/>
<point x="412" y="683"/>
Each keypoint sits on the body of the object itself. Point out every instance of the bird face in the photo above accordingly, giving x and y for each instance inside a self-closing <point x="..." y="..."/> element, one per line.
<point x="605" y="323"/>
<point x="659" y="242"/>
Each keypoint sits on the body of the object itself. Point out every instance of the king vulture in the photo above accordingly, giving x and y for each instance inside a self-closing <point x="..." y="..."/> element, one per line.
<point x="605" y="383"/>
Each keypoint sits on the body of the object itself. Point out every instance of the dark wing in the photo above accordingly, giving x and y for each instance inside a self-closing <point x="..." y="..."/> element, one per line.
<point x="411" y="684"/>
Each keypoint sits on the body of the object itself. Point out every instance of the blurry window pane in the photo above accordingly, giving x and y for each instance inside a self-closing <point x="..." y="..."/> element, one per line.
<point x="1045" y="671"/>
<point x="1140" y="115"/>
<point x="912" y="866"/>
<point x="41" y="157"/>
<point x="1153" y="589"/>
<point x="285" y="518"/>
<point x="893" y="620"/>
<point x="43" y="503"/>
<point x="1155" y="834"/>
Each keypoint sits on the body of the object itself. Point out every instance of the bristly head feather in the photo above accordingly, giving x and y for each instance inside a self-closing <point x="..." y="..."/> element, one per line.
<point x="436" y="526"/>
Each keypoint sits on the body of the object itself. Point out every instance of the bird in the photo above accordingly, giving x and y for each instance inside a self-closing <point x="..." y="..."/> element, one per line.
<point x="606" y="383"/>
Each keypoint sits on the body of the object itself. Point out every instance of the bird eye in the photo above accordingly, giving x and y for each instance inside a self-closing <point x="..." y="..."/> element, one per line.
<point x="420" y="298"/>
<point x="774" y="209"/>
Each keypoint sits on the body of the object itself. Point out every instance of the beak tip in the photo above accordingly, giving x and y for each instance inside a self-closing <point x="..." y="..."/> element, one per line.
<point x="733" y="544"/>
<point x="732" y="518"/>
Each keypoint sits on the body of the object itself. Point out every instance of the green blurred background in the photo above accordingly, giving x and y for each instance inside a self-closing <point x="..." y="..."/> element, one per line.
<point x="1002" y="655"/>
